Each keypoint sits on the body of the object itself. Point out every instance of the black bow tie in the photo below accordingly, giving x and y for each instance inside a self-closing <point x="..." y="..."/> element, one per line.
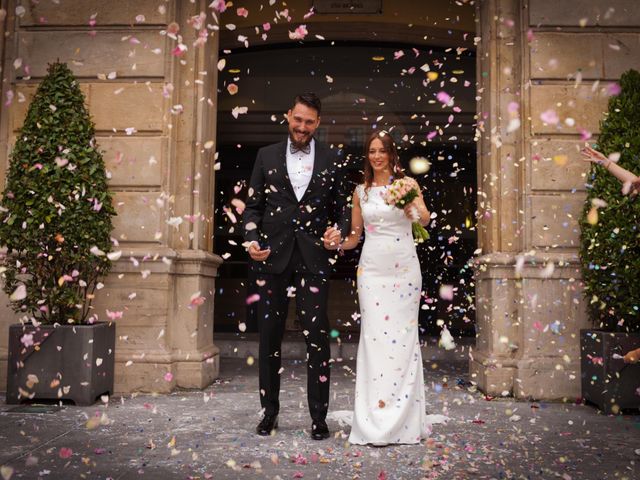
<point x="306" y="149"/>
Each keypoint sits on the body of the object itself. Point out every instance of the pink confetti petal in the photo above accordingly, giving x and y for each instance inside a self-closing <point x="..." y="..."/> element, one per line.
<point x="584" y="134"/>
<point x="299" y="33"/>
<point x="614" y="89"/>
<point x="253" y="298"/>
<point x="65" y="453"/>
<point x="550" y="117"/>
<point x="196" y="300"/>
<point x="27" y="339"/>
<point x="443" y="97"/>
<point x="446" y="292"/>
<point x="114" y="315"/>
<point x="219" y="5"/>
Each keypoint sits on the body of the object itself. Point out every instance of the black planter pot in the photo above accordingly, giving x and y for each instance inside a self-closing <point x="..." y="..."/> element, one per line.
<point x="609" y="383"/>
<point x="67" y="362"/>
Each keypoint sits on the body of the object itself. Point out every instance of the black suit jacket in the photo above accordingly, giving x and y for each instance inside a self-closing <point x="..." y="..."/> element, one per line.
<point x="275" y="218"/>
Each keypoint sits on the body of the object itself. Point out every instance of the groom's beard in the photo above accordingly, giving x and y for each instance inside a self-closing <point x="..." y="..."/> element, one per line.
<point x="298" y="144"/>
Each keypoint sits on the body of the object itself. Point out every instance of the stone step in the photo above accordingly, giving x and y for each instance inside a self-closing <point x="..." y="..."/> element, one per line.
<point x="244" y="345"/>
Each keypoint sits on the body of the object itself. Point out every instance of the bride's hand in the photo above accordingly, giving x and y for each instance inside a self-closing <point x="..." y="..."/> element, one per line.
<point x="411" y="211"/>
<point x="591" y="155"/>
<point x="331" y="238"/>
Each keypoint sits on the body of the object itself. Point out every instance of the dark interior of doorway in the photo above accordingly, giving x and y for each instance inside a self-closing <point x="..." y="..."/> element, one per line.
<point x="362" y="86"/>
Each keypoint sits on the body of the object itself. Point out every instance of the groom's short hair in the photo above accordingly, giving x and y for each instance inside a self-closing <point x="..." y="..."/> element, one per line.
<point x="309" y="99"/>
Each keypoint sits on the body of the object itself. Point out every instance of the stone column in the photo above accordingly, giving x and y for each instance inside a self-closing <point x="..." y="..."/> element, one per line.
<point x="500" y="188"/>
<point x="154" y="107"/>
<point x="538" y="59"/>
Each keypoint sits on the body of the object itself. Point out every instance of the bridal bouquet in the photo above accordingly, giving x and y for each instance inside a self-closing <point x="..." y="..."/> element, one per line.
<point x="400" y="193"/>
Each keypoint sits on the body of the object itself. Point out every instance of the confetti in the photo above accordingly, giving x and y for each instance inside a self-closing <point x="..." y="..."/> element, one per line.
<point x="419" y="165"/>
<point x="299" y="34"/>
<point x="65" y="453"/>
<point x="550" y="117"/>
<point x="20" y="293"/>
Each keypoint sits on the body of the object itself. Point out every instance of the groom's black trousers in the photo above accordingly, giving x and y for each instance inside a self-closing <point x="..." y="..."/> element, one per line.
<point x="311" y="293"/>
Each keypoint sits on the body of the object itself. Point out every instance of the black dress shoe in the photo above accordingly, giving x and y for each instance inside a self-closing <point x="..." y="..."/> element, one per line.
<point x="319" y="430"/>
<point x="267" y="425"/>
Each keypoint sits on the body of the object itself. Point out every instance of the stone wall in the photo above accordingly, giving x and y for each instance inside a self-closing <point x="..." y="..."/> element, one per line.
<point x="153" y="111"/>
<point x="537" y="57"/>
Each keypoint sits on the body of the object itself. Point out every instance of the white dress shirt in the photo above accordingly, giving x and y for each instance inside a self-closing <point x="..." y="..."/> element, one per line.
<point x="300" y="168"/>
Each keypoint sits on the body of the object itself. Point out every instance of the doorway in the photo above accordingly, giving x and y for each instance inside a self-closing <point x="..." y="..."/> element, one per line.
<point x="362" y="86"/>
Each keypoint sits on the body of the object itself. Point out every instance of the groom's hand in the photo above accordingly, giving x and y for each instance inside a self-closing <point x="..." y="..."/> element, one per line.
<point x="331" y="238"/>
<point x="256" y="253"/>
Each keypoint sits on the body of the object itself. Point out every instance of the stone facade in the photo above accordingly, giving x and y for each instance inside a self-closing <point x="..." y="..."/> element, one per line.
<point x="154" y="110"/>
<point x="153" y="115"/>
<point x="536" y="56"/>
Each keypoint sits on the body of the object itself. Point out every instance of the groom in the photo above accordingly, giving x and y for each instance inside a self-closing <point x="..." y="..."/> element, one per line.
<point x="296" y="193"/>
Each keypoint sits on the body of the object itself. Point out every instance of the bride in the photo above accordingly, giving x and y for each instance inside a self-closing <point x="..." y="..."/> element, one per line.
<point x="389" y="398"/>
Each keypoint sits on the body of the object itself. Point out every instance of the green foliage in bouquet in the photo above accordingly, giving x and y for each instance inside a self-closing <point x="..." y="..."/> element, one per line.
<point x="56" y="210"/>
<point x="610" y="239"/>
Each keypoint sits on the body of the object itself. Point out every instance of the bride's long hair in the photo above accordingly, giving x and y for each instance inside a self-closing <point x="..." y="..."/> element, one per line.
<point x="394" y="159"/>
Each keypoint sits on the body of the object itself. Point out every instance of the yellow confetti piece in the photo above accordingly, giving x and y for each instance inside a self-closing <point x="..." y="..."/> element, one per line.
<point x="377" y="59"/>
<point x="432" y="76"/>
<point x="6" y="472"/>
<point x="560" y="160"/>
<point x="92" y="423"/>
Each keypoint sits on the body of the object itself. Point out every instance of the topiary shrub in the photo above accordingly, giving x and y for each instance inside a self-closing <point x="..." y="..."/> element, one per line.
<point x="610" y="239"/>
<point x="56" y="210"/>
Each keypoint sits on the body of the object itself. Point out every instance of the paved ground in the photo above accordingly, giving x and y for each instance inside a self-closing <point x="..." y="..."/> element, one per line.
<point x="210" y="435"/>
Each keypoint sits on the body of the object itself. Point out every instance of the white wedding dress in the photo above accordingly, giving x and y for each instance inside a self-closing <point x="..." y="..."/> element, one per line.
<point x="389" y="404"/>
